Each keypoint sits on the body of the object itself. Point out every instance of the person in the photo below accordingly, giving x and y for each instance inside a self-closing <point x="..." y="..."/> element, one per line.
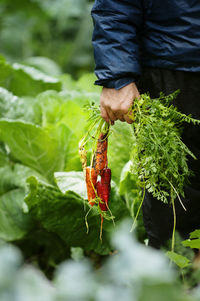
<point x="152" y="46"/>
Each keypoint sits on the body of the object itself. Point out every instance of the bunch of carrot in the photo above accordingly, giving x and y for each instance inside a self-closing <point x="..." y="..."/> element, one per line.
<point x="97" y="174"/>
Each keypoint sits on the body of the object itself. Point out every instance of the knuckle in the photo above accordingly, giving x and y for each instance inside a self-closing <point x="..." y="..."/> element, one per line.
<point x="124" y="108"/>
<point x="114" y="108"/>
<point x="106" y="105"/>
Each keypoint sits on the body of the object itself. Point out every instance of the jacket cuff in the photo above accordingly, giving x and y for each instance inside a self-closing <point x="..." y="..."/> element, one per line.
<point x="115" y="83"/>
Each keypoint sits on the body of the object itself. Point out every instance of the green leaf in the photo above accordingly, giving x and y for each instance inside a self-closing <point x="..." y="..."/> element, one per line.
<point x="14" y="224"/>
<point x="194" y="243"/>
<point x="195" y="234"/>
<point x="56" y="115"/>
<point x="30" y="81"/>
<point x="64" y="215"/>
<point x="71" y="181"/>
<point x="3" y="158"/>
<point x="14" y="176"/>
<point x="181" y="261"/>
<point x="32" y="146"/>
<point x="86" y="83"/>
<point x="129" y="188"/>
<point x="165" y="292"/>
<point x="44" y="64"/>
<point x="67" y="82"/>
<point x="159" y="154"/>
<point x="13" y="107"/>
<point x="128" y="182"/>
<point x="7" y="101"/>
<point x="57" y="109"/>
<point x="25" y="80"/>
<point x="5" y="73"/>
<point x="75" y="181"/>
<point x="119" y="148"/>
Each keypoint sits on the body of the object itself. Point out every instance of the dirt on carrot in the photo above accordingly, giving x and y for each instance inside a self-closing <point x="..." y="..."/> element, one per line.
<point x="103" y="189"/>
<point x="100" y="160"/>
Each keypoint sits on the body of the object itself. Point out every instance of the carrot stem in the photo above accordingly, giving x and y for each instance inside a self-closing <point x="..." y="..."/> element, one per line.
<point x="174" y="226"/>
<point x="138" y="211"/>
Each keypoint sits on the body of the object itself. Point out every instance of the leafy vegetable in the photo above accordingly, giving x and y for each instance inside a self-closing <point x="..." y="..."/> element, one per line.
<point x="134" y="273"/>
<point x="194" y="240"/>
<point x="64" y="214"/>
<point x="32" y="146"/>
<point x="120" y="146"/>
<point x="160" y="156"/>
<point x="14" y="224"/>
<point x="181" y="261"/>
<point x="43" y="64"/>
<point x="129" y="188"/>
<point x="13" y="107"/>
<point x="63" y="35"/>
<point x="24" y="80"/>
<point x="47" y="219"/>
<point x="71" y="180"/>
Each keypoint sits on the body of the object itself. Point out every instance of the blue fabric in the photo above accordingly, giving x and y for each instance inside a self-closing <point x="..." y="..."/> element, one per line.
<point x="116" y="83"/>
<point x="130" y="34"/>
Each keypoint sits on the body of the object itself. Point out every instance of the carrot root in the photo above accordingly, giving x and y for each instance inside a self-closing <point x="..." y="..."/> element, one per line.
<point x="101" y="154"/>
<point x="91" y="179"/>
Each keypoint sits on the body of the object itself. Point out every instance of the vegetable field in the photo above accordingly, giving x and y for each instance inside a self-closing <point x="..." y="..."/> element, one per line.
<point x="51" y="244"/>
<point x="71" y="186"/>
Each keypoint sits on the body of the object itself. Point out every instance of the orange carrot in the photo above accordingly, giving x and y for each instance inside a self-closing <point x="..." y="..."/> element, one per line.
<point x="103" y="189"/>
<point x="102" y="204"/>
<point x="91" y="179"/>
<point x="101" y="154"/>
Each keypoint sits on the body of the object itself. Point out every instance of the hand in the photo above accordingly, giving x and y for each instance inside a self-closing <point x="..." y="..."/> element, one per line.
<point x="115" y="104"/>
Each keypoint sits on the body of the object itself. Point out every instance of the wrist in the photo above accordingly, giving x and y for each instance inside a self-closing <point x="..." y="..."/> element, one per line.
<point x="115" y="83"/>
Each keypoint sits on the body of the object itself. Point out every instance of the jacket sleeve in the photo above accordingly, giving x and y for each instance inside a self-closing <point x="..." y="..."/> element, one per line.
<point x="115" y="41"/>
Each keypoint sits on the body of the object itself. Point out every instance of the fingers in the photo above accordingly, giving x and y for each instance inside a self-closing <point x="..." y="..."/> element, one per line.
<point x="108" y="115"/>
<point x="116" y="113"/>
<point x="116" y="104"/>
<point x="111" y="115"/>
<point x="121" y="118"/>
<point x="123" y="115"/>
<point x="109" y="118"/>
<point x="127" y="119"/>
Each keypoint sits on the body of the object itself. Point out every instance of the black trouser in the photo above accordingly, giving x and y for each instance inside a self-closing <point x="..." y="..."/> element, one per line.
<point x="158" y="217"/>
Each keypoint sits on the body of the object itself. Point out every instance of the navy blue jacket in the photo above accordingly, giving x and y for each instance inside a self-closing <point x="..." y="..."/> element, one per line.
<point x="130" y="34"/>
